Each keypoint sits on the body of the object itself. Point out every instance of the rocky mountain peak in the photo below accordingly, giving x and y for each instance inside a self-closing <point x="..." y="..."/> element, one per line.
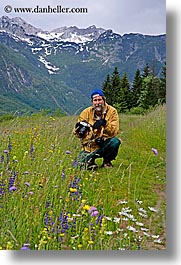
<point x="17" y="26"/>
<point x="75" y="34"/>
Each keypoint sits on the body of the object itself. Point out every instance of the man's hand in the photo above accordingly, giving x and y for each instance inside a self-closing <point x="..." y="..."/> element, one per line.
<point x="99" y="123"/>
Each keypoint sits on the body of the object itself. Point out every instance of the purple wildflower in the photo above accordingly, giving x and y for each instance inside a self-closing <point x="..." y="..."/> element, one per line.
<point x="27" y="184"/>
<point x="12" y="180"/>
<point x="25" y="247"/>
<point x="68" y="152"/>
<point x="9" y="145"/>
<point x="48" y="204"/>
<point x="93" y="211"/>
<point x="92" y="208"/>
<point x="2" y="159"/>
<point x="2" y="190"/>
<point x="46" y="219"/>
<point x="32" y="149"/>
<point x="49" y="216"/>
<point x="74" y="163"/>
<point x="75" y="185"/>
<point x="99" y="220"/>
<point x="155" y="151"/>
<point x="6" y="151"/>
<point x="63" y="174"/>
<point x="13" y="188"/>
<point x="7" y="156"/>
<point x="64" y="222"/>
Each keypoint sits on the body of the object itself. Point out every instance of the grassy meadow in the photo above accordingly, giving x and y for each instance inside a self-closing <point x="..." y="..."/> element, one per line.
<point x="48" y="204"/>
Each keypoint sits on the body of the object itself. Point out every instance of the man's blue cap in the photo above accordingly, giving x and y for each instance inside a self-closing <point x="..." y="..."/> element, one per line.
<point x="97" y="92"/>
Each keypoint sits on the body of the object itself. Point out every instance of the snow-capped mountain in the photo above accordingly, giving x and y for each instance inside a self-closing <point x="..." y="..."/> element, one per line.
<point x="17" y="26"/>
<point x="22" y="29"/>
<point x="42" y="68"/>
<point x="73" y="34"/>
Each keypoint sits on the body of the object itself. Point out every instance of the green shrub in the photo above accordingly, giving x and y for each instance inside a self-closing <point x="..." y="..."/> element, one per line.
<point x="6" y="117"/>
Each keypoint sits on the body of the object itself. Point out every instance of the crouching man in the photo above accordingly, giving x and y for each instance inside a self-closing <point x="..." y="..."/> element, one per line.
<point x="97" y="127"/>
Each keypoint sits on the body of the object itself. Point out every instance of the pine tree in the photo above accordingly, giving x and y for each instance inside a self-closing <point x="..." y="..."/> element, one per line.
<point x="136" y="88"/>
<point x="107" y="89"/>
<point x="146" y="71"/>
<point x="115" y="80"/>
<point x="126" y="91"/>
<point x="148" y="95"/>
<point x="123" y="102"/>
<point x="162" y="89"/>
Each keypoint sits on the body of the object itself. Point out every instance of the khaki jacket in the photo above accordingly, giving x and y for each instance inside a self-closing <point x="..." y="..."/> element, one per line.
<point x="110" y="130"/>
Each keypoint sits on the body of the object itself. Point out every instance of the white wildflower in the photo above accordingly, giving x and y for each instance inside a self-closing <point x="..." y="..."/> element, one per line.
<point x="131" y="228"/>
<point x="138" y="223"/>
<point x="155" y="236"/>
<point x="144" y="229"/>
<point x="76" y="215"/>
<point x="143" y="215"/>
<point x="124" y="211"/>
<point x="146" y="234"/>
<point x="125" y="219"/>
<point x="108" y="232"/>
<point x="157" y="241"/>
<point x="142" y="210"/>
<point x="108" y="218"/>
<point x="152" y="209"/>
<point x="123" y="202"/>
<point x="139" y="202"/>
<point x="121" y="249"/>
<point x="116" y="220"/>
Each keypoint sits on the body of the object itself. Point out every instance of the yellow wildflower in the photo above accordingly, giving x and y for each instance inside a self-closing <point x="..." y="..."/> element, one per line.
<point x="86" y="207"/>
<point x="80" y="245"/>
<point x="86" y="229"/>
<point x="73" y="189"/>
<point x="9" y="246"/>
<point x="50" y="151"/>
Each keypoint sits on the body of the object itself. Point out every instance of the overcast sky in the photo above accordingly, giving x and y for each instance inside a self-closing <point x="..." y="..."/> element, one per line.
<point x="122" y="16"/>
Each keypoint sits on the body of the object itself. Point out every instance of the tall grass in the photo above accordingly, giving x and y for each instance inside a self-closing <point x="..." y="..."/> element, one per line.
<point x="47" y="204"/>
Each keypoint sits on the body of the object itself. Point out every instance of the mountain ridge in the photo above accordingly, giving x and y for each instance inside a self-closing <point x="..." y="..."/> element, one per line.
<point x="21" y="28"/>
<point x="69" y="69"/>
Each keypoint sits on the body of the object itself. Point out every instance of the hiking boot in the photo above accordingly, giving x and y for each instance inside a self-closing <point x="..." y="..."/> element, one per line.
<point x="91" y="165"/>
<point x="107" y="164"/>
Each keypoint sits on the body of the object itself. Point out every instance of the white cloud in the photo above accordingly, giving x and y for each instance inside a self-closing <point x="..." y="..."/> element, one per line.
<point x="123" y="16"/>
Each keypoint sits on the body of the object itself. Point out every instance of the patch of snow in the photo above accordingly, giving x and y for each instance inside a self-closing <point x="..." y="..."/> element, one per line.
<point x="51" y="68"/>
<point x="72" y="37"/>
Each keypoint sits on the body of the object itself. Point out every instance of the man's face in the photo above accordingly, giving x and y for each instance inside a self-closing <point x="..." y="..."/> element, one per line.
<point x="98" y="103"/>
